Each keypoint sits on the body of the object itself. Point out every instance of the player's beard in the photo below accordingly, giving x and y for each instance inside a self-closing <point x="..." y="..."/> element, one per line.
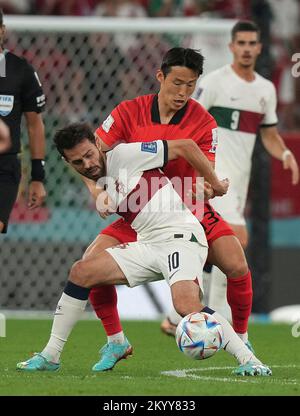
<point x="96" y="172"/>
<point x="93" y="173"/>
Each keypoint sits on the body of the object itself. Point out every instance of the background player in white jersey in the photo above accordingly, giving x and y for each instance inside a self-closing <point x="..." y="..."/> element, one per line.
<point x="165" y="226"/>
<point x="243" y="104"/>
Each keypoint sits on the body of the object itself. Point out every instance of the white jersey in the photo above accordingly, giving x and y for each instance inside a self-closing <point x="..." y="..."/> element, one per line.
<point x="145" y="197"/>
<point x="240" y="109"/>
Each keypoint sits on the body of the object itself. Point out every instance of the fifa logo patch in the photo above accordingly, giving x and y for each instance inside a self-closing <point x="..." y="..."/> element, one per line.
<point x="150" y="147"/>
<point x="6" y="104"/>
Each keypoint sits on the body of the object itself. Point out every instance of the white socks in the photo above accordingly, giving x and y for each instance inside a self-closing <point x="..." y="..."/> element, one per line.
<point x="244" y="337"/>
<point x="217" y="299"/>
<point x="118" y="338"/>
<point x="206" y="277"/>
<point x="68" y="312"/>
<point x="174" y="317"/>
<point x="233" y="343"/>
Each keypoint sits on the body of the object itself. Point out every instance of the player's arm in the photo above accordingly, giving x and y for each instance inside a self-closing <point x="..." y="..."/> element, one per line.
<point x="103" y="202"/>
<point x="92" y="187"/>
<point x="275" y="145"/>
<point x="37" y="145"/>
<point x="101" y="144"/>
<point x="189" y="150"/>
<point x="112" y="131"/>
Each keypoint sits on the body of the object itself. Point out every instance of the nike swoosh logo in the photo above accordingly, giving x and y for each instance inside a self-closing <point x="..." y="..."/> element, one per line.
<point x="170" y="277"/>
<point x="58" y="314"/>
<point x="226" y="345"/>
<point x="234" y="98"/>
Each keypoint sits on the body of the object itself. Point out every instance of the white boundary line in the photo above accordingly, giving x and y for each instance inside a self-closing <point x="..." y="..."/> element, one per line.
<point x="26" y="314"/>
<point x="189" y="373"/>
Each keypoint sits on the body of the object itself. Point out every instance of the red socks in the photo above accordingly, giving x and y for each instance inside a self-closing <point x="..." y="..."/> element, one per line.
<point x="104" y="300"/>
<point x="239" y="297"/>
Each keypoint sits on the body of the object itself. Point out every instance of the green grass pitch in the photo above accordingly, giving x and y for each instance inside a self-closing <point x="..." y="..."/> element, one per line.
<point x="156" y="368"/>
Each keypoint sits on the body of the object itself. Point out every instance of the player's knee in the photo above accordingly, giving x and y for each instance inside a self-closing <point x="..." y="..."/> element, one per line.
<point x="244" y="241"/>
<point x="78" y="274"/>
<point x="184" y="306"/>
<point x="238" y="267"/>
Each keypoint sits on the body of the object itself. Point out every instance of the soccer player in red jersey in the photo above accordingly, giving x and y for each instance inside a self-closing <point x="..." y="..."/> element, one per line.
<point x="170" y="114"/>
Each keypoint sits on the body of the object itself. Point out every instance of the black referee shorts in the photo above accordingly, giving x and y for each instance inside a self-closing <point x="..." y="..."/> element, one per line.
<point x="10" y="176"/>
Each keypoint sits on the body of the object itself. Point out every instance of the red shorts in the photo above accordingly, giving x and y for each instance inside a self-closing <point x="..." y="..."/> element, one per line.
<point x="212" y="222"/>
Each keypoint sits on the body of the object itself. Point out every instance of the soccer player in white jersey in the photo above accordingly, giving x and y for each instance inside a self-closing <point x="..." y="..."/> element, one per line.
<point x="243" y="104"/>
<point x="166" y="230"/>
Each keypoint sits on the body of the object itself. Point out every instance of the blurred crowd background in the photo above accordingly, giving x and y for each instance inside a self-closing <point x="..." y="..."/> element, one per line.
<point x="283" y="16"/>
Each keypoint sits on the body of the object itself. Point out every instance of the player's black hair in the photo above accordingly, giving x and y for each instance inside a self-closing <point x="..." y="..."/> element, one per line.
<point x="70" y="136"/>
<point x="189" y="58"/>
<point x="1" y="17"/>
<point x="245" y="26"/>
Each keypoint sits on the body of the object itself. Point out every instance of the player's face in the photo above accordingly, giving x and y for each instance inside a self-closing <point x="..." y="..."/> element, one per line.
<point x="245" y="48"/>
<point x="87" y="159"/>
<point x="177" y="87"/>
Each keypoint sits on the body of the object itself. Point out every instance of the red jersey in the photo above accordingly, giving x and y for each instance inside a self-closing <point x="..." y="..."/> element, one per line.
<point x="138" y="120"/>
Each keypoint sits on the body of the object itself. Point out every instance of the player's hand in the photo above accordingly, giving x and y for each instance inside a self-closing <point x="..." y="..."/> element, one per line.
<point x="221" y="188"/>
<point x="104" y="205"/>
<point x="291" y="163"/>
<point x="202" y="191"/>
<point x="105" y="214"/>
<point x="36" y="194"/>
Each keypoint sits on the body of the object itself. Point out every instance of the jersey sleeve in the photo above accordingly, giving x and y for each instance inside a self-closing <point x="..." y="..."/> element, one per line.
<point x="205" y="92"/>
<point x="207" y="139"/>
<point x="270" y="117"/>
<point x="112" y="131"/>
<point x="140" y="157"/>
<point x="32" y="95"/>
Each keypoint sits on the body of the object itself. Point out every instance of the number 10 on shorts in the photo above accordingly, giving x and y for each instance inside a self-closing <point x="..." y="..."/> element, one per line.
<point x="173" y="261"/>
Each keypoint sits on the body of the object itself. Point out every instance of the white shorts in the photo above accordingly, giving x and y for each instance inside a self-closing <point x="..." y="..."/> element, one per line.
<point x="231" y="206"/>
<point x="170" y="260"/>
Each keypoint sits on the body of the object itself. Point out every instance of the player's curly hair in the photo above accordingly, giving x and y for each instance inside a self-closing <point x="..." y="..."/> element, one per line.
<point x="70" y="136"/>
<point x="189" y="58"/>
<point x="1" y="17"/>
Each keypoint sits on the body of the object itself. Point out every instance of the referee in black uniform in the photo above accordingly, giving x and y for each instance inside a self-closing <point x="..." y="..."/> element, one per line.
<point x="20" y="92"/>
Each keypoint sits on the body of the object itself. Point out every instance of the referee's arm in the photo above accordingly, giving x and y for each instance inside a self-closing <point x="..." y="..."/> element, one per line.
<point x="4" y="137"/>
<point x="37" y="144"/>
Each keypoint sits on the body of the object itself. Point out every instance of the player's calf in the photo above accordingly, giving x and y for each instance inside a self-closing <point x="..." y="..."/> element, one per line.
<point x="186" y="296"/>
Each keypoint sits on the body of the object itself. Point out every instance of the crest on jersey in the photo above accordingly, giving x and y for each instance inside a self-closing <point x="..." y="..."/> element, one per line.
<point x="263" y="105"/>
<point x="107" y="123"/>
<point x="150" y="147"/>
<point x="6" y="104"/>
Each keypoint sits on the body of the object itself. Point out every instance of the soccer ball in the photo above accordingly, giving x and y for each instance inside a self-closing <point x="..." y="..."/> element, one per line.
<point x="199" y="335"/>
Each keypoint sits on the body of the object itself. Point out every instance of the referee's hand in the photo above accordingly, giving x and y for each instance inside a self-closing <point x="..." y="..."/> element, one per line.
<point x="36" y="194"/>
<point x="4" y="137"/>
